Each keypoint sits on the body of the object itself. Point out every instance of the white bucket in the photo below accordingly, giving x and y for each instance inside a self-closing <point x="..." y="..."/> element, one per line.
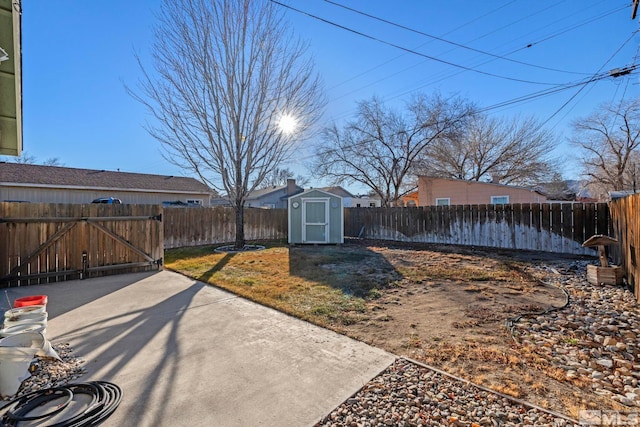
<point x="26" y="310"/>
<point x="14" y="368"/>
<point x="27" y="327"/>
<point x="26" y="318"/>
<point x="35" y="340"/>
<point x="39" y="318"/>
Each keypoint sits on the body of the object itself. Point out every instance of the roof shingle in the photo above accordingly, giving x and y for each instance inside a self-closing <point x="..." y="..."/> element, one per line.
<point x="56" y="176"/>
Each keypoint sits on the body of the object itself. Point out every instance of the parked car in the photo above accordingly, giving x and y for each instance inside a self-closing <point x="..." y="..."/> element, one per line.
<point x="108" y="200"/>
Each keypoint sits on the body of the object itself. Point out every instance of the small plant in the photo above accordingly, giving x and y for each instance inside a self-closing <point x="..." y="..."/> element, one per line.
<point x="414" y="341"/>
<point x="374" y="293"/>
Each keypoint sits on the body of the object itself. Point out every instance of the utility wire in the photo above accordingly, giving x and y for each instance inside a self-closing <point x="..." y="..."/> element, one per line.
<point x="460" y="45"/>
<point x="351" y="30"/>
<point x="422" y="45"/>
<point x="599" y="70"/>
<point x="450" y="75"/>
<point x="566" y="30"/>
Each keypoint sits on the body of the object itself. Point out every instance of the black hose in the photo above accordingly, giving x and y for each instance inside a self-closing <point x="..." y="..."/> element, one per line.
<point x="105" y="398"/>
<point x="511" y="323"/>
<point x="31" y="401"/>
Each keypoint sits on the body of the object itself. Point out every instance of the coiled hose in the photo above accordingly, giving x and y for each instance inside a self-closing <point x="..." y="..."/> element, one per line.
<point x="58" y="406"/>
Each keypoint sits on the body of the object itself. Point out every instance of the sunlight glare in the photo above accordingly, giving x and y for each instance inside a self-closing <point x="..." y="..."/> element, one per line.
<point x="287" y="124"/>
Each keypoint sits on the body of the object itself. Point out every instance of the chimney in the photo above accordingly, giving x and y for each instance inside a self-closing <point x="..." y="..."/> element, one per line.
<point x="291" y="186"/>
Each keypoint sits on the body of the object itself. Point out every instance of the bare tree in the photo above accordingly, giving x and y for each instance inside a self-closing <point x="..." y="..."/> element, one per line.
<point x="227" y="74"/>
<point x="609" y="140"/>
<point x="279" y="176"/>
<point x="507" y="151"/>
<point x="29" y="159"/>
<point x="52" y="161"/>
<point x="379" y="146"/>
<point x="25" y="159"/>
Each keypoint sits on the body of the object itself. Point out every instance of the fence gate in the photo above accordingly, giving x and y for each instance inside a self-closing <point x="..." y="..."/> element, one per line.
<point x="44" y="243"/>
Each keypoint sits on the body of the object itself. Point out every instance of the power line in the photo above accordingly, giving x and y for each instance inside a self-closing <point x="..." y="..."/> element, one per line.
<point x="460" y="45"/>
<point x="424" y="44"/>
<point x="599" y="70"/>
<point x="351" y="30"/>
<point x="566" y="30"/>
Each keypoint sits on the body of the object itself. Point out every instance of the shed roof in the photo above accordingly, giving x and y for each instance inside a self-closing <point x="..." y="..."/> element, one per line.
<point x="309" y="191"/>
<point x="55" y="176"/>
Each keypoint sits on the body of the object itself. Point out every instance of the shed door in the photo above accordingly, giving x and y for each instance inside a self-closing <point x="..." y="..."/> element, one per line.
<point x="315" y="221"/>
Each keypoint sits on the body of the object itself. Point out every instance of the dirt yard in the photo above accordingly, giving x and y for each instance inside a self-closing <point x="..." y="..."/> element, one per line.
<point x="447" y="307"/>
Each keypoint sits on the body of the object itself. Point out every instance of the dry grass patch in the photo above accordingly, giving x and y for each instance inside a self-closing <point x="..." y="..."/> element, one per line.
<point x="309" y="283"/>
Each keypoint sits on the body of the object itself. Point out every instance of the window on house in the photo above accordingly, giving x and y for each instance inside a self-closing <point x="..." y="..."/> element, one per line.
<point x="372" y="204"/>
<point x="358" y="205"/>
<point x="499" y="200"/>
<point x="443" y="201"/>
<point x="194" y="202"/>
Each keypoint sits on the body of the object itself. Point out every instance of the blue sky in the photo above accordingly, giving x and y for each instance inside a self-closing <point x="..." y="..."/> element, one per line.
<point x="77" y="56"/>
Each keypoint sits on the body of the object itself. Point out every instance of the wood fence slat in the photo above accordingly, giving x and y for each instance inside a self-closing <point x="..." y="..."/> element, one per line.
<point x="49" y="244"/>
<point x="624" y="220"/>
<point x="567" y="226"/>
<point x="578" y="223"/>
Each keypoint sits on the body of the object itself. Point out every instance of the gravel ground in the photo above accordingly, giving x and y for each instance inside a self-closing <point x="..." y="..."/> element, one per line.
<point x="47" y="373"/>
<point x="409" y="394"/>
<point x="594" y="338"/>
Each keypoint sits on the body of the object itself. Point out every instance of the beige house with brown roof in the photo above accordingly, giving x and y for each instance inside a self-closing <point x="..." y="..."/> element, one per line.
<point x="434" y="191"/>
<point x="53" y="184"/>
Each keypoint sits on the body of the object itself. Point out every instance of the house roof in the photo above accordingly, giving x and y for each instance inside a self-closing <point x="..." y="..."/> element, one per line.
<point x="337" y="190"/>
<point x="55" y="176"/>
<point x="319" y="190"/>
<point x="534" y="190"/>
<point x="256" y="194"/>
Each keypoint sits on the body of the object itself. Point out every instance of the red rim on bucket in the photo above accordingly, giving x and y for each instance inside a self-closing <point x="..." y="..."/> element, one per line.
<point x="30" y="300"/>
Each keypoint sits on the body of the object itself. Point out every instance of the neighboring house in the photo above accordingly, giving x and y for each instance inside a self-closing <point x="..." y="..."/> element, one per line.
<point x="53" y="184"/>
<point x="365" y="201"/>
<point x="411" y="199"/>
<point x="273" y="197"/>
<point x="347" y="197"/>
<point x="445" y="191"/>
<point x="569" y="190"/>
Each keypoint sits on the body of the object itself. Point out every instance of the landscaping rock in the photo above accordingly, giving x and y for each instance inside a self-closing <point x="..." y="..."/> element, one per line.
<point x="598" y="329"/>
<point x="449" y="402"/>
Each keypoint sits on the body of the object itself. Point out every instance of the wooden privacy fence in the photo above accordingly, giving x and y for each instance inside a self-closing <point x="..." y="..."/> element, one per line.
<point x="41" y="243"/>
<point x="625" y="217"/>
<point x="207" y="226"/>
<point x="560" y="228"/>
